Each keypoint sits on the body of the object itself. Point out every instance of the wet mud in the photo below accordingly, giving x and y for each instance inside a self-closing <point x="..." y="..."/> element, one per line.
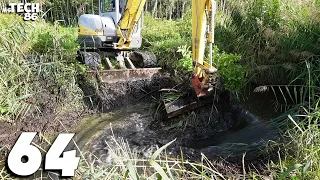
<point x="222" y="129"/>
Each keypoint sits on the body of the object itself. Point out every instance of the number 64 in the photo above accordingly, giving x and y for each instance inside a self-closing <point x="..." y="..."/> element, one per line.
<point x="23" y="149"/>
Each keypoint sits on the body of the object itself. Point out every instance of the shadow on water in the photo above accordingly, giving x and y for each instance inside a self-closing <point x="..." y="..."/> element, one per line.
<point x="252" y="131"/>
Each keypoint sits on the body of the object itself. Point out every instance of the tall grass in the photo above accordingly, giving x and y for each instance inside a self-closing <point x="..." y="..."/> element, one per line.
<point x="272" y="36"/>
<point x="126" y="164"/>
<point x="37" y="61"/>
<point x="163" y="37"/>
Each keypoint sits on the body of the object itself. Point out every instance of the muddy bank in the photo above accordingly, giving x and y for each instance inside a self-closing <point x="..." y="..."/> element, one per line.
<point x="104" y="97"/>
<point x="46" y="125"/>
<point x="43" y="117"/>
<point x="97" y="98"/>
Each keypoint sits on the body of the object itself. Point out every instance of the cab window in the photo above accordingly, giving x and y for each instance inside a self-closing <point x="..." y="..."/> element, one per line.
<point x="107" y="6"/>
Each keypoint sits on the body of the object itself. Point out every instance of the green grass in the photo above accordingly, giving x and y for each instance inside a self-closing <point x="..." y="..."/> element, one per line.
<point x="272" y="36"/>
<point x="163" y="38"/>
<point x="170" y="40"/>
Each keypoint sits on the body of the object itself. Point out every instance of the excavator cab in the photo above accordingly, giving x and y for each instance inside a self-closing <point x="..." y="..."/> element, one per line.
<point x="109" y="42"/>
<point x="100" y="31"/>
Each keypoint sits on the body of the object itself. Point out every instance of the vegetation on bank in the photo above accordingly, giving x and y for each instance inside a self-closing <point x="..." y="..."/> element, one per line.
<point x="272" y="43"/>
<point x="36" y="58"/>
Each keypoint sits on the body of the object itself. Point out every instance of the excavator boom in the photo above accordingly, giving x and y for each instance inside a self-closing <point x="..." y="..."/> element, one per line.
<point x="128" y="22"/>
<point x="204" y="77"/>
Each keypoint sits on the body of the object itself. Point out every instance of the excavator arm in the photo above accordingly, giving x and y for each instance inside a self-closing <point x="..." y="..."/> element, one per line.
<point x="130" y="18"/>
<point x="203" y="12"/>
<point x="204" y="74"/>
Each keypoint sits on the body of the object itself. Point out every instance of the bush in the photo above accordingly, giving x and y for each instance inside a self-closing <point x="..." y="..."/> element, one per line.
<point x="43" y="43"/>
<point x="185" y="62"/>
<point x="163" y="38"/>
<point x="232" y="73"/>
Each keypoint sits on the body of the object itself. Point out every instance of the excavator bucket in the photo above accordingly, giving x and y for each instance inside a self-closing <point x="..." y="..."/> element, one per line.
<point x="182" y="105"/>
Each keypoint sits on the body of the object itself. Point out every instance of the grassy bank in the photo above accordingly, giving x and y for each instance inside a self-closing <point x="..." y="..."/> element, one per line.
<point x="273" y="38"/>
<point x="37" y="60"/>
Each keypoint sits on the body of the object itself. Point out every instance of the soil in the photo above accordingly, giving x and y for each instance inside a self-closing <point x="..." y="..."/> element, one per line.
<point x="46" y="123"/>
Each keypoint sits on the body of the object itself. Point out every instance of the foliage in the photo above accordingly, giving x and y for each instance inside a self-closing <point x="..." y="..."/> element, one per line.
<point x="278" y="42"/>
<point x="232" y="73"/>
<point x="300" y="159"/>
<point x="171" y="44"/>
<point x="43" y="43"/>
<point x="186" y="62"/>
<point x="272" y="36"/>
<point x="163" y="38"/>
<point x="300" y="127"/>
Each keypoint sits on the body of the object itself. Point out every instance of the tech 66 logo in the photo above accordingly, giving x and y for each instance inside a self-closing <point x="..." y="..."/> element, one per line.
<point x="25" y="159"/>
<point x="28" y="10"/>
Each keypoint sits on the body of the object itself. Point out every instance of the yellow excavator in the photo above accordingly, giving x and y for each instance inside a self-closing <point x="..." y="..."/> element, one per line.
<point x="116" y="31"/>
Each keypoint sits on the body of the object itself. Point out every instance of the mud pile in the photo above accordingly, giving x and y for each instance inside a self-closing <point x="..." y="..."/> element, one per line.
<point x="105" y="97"/>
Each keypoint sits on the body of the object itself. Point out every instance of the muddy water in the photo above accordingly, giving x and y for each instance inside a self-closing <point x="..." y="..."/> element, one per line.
<point x="134" y="122"/>
<point x="92" y="127"/>
<point x="253" y="131"/>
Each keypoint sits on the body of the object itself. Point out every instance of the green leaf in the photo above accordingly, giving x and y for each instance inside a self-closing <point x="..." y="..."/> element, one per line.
<point x="159" y="169"/>
<point x="157" y="153"/>
<point x="306" y="166"/>
<point x="132" y="172"/>
<point x="295" y="123"/>
<point x="294" y="167"/>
